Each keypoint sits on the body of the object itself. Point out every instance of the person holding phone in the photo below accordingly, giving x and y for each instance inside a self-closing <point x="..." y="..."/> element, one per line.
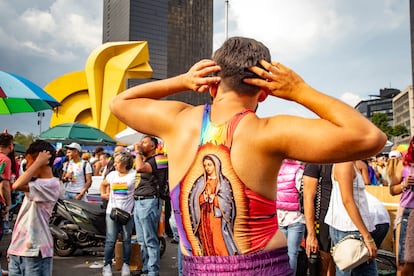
<point x="402" y="182"/>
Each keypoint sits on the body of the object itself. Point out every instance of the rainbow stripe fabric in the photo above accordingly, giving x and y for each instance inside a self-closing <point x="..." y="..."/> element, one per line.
<point x="161" y="161"/>
<point x="120" y="188"/>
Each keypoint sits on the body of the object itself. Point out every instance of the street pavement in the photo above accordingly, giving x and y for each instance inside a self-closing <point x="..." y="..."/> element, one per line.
<point x="81" y="262"/>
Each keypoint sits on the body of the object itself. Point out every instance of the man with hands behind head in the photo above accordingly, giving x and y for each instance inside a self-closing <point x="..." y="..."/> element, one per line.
<point x="249" y="151"/>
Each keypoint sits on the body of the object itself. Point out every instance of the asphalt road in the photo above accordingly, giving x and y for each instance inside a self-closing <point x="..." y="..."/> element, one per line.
<point x="80" y="263"/>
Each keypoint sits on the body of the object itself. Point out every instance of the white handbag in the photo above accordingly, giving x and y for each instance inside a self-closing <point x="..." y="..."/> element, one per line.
<point x="349" y="252"/>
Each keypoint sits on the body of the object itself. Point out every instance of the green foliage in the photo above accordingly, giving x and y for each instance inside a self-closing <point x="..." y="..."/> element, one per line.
<point x="400" y="130"/>
<point x="24" y="140"/>
<point x="381" y="120"/>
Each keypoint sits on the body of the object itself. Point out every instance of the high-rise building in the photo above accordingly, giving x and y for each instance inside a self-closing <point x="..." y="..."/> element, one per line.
<point x="379" y="103"/>
<point x="178" y="32"/>
<point x="403" y="107"/>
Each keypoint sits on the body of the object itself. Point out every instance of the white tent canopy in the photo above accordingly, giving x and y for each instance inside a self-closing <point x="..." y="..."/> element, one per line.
<point x="129" y="136"/>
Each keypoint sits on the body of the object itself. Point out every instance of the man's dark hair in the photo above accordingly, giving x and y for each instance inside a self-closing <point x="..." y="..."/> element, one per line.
<point x="234" y="57"/>
<point x="60" y="152"/>
<point x="154" y="140"/>
<point x="39" y="146"/>
<point x="98" y="150"/>
<point x="6" y="139"/>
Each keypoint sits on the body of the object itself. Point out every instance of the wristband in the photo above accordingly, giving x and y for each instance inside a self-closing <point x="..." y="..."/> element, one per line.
<point x="370" y="240"/>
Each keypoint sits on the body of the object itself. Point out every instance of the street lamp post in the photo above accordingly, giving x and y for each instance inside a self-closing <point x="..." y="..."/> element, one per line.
<point x="40" y="116"/>
<point x="226" y="19"/>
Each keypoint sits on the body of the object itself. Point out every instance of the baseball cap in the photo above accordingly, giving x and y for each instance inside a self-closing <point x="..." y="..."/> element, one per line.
<point x="75" y="146"/>
<point x="394" y="154"/>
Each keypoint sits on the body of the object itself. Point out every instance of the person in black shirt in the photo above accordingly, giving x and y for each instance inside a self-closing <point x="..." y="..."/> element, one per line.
<point x="150" y="176"/>
<point x="317" y="186"/>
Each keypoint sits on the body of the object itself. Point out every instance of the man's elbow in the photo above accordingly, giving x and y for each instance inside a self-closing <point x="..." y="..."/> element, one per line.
<point x="370" y="144"/>
<point x="376" y="141"/>
<point x="113" y="104"/>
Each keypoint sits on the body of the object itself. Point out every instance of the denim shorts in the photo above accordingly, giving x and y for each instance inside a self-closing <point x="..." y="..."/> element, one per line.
<point x="402" y="242"/>
<point x="368" y="268"/>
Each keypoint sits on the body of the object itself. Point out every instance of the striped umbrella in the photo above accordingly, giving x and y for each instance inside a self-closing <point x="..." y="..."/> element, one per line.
<point x="19" y="95"/>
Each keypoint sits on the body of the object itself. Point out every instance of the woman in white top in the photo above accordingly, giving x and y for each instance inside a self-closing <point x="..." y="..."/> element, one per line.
<point x="348" y="214"/>
<point x="118" y="188"/>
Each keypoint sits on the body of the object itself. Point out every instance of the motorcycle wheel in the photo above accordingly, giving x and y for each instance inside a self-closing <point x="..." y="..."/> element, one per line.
<point x="63" y="248"/>
<point x="163" y="245"/>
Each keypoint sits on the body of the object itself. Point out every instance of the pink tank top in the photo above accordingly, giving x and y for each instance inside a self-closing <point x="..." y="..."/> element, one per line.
<point x="216" y="214"/>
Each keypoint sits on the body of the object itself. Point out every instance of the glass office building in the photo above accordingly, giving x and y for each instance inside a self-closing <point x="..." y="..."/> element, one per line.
<point x="178" y="32"/>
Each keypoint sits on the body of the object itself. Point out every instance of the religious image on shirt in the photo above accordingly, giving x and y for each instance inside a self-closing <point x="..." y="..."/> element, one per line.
<point x="212" y="209"/>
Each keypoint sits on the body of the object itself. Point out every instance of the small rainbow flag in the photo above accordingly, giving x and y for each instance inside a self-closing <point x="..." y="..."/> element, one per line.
<point x="162" y="161"/>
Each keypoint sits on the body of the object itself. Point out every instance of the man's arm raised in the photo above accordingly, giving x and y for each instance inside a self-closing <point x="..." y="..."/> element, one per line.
<point x="141" y="101"/>
<point x="340" y="133"/>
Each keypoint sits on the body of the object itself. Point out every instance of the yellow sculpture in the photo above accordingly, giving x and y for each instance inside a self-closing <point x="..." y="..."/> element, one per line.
<point x="85" y="95"/>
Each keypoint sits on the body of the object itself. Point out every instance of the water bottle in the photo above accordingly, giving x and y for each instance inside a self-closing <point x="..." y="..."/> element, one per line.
<point x="314" y="264"/>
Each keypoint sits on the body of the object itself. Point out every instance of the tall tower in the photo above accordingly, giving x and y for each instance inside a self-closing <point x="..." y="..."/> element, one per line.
<point x="179" y="33"/>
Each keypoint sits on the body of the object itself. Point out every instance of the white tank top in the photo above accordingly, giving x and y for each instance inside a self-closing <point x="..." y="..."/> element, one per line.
<point x="337" y="216"/>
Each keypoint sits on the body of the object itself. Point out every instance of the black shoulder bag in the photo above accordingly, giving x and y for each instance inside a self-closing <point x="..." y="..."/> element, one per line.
<point x="118" y="215"/>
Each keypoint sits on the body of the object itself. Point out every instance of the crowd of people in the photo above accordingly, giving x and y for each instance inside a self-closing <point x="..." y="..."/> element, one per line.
<point x="231" y="191"/>
<point x="131" y="183"/>
<point x="236" y="207"/>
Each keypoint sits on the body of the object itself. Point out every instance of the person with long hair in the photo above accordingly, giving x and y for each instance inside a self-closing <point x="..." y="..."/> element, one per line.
<point x="402" y="182"/>
<point x="348" y="214"/>
<point x="212" y="206"/>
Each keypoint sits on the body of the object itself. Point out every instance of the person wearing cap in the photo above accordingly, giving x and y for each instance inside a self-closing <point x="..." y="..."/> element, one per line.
<point x="394" y="154"/>
<point x="77" y="174"/>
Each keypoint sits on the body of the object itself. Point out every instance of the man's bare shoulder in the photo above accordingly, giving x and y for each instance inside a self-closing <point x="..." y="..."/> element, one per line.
<point x="189" y="113"/>
<point x="186" y="121"/>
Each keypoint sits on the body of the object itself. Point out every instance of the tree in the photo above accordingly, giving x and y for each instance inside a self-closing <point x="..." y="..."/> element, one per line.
<point x="381" y="120"/>
<point x="23" y="140"/>
<point x="400" y="130"/>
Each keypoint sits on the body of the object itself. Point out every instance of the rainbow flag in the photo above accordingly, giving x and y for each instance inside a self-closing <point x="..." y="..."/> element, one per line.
<point x="162" y="161"/>
<point x="119" y="188"/>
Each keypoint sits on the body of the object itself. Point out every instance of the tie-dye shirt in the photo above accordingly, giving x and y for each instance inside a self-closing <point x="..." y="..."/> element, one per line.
<point x="122" y="191"/>
<point x="31" y="235"/>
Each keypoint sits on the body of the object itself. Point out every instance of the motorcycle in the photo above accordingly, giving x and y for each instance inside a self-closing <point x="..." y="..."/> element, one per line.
<point x="77" y="224"/>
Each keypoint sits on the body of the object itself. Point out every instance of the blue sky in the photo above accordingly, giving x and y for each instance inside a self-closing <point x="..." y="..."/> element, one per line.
<point x="347" y="49"/>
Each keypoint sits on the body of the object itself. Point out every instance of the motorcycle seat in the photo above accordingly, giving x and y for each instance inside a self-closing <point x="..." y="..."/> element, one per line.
<point x="93" y="208"/>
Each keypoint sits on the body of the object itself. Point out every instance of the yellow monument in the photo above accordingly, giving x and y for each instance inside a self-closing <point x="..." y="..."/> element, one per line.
<point x="85" y="95"/>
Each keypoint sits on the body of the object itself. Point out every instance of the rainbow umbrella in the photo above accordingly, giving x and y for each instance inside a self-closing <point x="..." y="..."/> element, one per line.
<point x="19" y="95"/>
<point x="402" y="147"/>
